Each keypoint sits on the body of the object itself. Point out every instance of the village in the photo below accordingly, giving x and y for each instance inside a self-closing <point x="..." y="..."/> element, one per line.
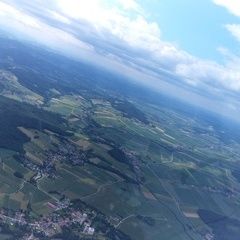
<point x="51" y="225"/>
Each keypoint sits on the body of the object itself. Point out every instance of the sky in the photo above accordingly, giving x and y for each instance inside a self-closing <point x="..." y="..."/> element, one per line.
<point x="187" y="49"/>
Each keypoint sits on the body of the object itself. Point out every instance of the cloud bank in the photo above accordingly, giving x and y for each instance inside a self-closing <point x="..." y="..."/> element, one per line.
<point x="233" y="6"/>
<point x="117" y="34"/>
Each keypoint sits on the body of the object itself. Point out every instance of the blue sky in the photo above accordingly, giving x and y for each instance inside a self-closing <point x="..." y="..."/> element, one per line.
<point x="186" y="48"/>
<point x="196" y="26"/>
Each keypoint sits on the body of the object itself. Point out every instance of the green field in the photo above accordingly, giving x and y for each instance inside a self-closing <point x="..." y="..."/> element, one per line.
<point x="154" y="172"/>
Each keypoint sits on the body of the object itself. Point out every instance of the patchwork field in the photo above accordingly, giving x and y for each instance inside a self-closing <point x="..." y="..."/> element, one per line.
<point x="139" y="169"/>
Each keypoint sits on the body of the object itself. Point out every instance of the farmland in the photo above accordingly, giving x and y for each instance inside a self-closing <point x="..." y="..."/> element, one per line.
<point x="138" y="169"/>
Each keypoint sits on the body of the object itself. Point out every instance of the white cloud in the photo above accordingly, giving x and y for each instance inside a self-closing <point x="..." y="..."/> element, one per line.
<point x="59" y="17"/>
<point x="130" y="5"/>
<point x="24" y="25"/>
<point x="9" y="11"/>
<point x="228" y="75"/>
<point x="217" y="76"/>
<point x="123" y="40"/>
<point x="136" y="32"/>
<point x="233" y="6"/>
<point x="141" y="35"/>
<point x="91" y="10"/>
<point x="234" y="29"/>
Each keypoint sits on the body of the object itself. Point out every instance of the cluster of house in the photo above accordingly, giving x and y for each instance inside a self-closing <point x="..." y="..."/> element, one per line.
<point x="50" y="225"/>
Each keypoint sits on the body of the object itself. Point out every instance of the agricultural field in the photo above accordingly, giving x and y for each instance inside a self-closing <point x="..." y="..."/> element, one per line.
<point x="138" y="169"/>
